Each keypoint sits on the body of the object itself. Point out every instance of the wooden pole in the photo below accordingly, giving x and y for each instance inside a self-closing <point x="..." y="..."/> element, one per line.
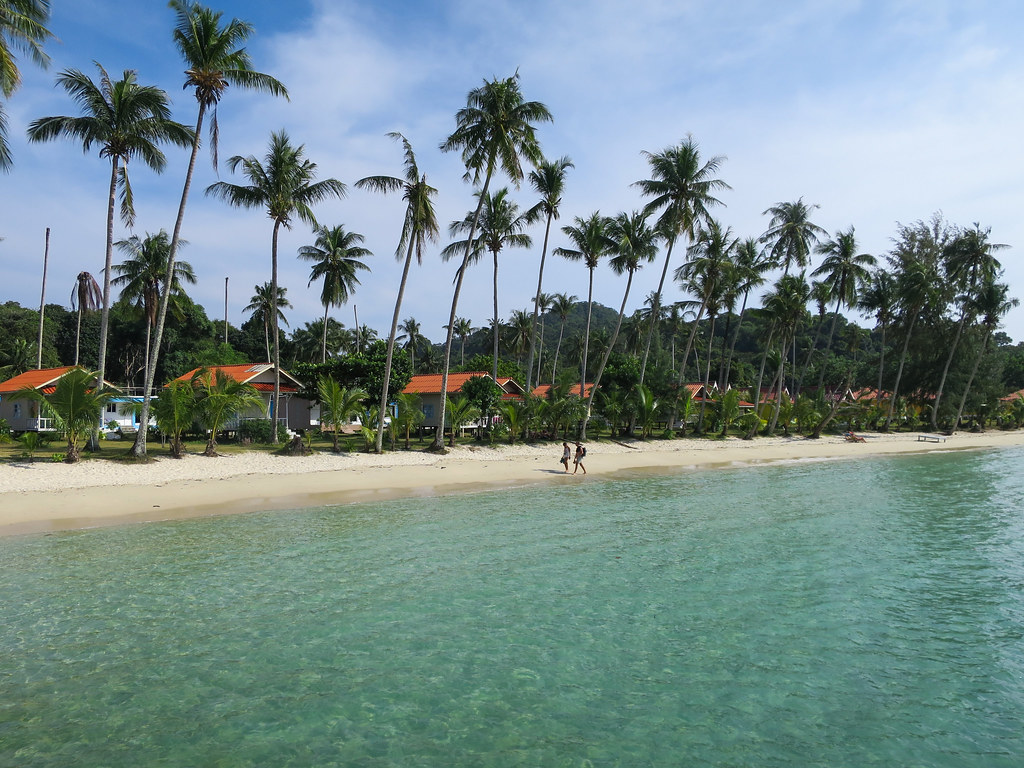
<point x="42" y="302"/>
<point x="355" y="312"/>
<point x="225" y="310"/>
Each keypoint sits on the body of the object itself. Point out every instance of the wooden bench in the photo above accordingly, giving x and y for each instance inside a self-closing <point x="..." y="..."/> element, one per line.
<point x="931" y="438"/>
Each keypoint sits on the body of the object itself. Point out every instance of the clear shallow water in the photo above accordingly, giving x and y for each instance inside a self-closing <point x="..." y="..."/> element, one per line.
<point x="836" y="614"/>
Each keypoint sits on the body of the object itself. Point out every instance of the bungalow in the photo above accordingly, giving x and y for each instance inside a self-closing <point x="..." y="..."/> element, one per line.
<point x="544" y="390"/>
<point x="24" y="415"/>
<point x="296" y="412"/>
<point x="428" y="387"/>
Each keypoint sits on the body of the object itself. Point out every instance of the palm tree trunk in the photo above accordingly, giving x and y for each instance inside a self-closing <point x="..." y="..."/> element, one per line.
<point x="604" y="359"/>
<point x="323" y="345"/>
<point x="586" y="343"/>
<point x="735" y="336"/>
<point x="277" y="333"/>
<point x="139" y="448"/>
<point x="970" y="381"/>
<point x="42" y="302"/>
<point x="881" y="366"/>
<point x="945" y="370"/>
<point x="655" y="311"/>
<point x="540" y="352"/>
<point x="438" y="444"/>
<point x="379" y="447"/>
<point x="707" y="376"/>
<point x="266" y="336"/>
<point x="828" y="346"/>
<point x="778" y="393"/>
<point x="899" y="374"/>
<point x="536" y="308"/>
<point x="78" y="329"/>
<point x="810" y="354"/>
<point x="494" y="365"/>
<point x="686" y="357"/>
<point x="94" y="438"/>
<point x="558" y="348"/>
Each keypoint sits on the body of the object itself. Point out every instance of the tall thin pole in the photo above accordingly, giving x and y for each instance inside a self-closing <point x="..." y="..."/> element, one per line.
<point x="42" y="302"/>
<point x="225" y="310"/>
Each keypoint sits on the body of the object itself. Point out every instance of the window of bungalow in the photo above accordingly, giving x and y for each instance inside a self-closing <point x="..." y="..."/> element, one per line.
<point x="428" y="410"/>
<point x="17" y="410"/>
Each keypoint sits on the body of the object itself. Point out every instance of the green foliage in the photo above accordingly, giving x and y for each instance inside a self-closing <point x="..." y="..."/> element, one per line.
<point x="483" y="362"/>
<point x="218" y="397"/>
<point x="363" y="371"/>
<point x="5" y="432"/>
<point x="75" y="404"/>
<point x="260" y="431"/>
<point x="460" y="411"/>
<point x="483" y="393"/>
<point x="338" y="404"/>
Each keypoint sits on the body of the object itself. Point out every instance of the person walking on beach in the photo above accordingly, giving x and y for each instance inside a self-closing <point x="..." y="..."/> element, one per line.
<point x="581" y="453"/>
<point x="566" y="454"/>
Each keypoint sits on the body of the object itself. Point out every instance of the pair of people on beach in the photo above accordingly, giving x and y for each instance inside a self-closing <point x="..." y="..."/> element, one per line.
<point x="581" y="453"/>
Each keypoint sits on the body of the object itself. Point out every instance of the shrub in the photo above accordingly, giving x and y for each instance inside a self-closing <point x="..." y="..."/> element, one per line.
<point x="5" y="432"/>
<point x="259" y="431"/>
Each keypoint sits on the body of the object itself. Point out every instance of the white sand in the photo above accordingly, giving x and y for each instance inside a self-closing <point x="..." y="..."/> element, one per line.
<point x="47" y="496"/>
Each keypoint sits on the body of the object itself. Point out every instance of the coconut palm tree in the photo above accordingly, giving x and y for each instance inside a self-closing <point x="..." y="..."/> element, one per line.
<point x="990" y="302"/>
<point x="76" y="403"/>
<point x="683" y="187"/>
<point x="633" y="244"/>
<point x="285" y="185"/>
<point x="879" y="297"/>
<point x="749" y="266"/>
<point x="22" y="26"/>
<point x="17" y="359"/>
<point x="498" y="224"/>
<point x="144" y="271"/>
<point x="175" y="411"/>
<point x="338" y="404"/>
<point x="419" y="226"/>
<point x="591" y="240"/>
<point x="791" y="235"/>
<point x="969" y="261"/>
<point x="494" y="130"/>
<point x="218" y="396"/>
<point x="215" y="58"/>
<point x="543" y="305"/>
<point x="87" y="297"/>
<point x="125" y="120"/>
<point x="520" y="325"/>
<point x="336" y="259"/>
<point x="562" y="305"/>
<point x="845" y="272"/>
<point x="786" y="307"/>
<point x="548" y="180"/>
<point x="410" y="329"/>
<point x="261" y="305"/>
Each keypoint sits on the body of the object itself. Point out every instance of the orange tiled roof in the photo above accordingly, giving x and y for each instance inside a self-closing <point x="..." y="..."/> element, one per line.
<point x="266" y="386"/>
<point x="544" y="390"/>
<point x="243" y="373"/>
<point x="430" y="383"/>
<point x="35" y="379"/>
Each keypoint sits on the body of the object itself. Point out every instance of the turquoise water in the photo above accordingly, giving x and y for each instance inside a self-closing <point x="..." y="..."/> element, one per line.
<point x="852" y="613"/>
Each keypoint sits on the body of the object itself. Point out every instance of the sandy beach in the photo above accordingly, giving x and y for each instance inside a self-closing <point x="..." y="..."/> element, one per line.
<point x="44" y="496"/>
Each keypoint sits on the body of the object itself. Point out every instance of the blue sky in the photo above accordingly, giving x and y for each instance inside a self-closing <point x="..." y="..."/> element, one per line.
<point x="879" y="112"/>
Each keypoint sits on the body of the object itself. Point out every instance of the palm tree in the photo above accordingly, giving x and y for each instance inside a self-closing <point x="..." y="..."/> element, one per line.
<point x="23" y="26"/>
<point x="493" y="130"/>
<point x="520" y="325"/>
<point x="336" y="258"/>
<point x="286" y="186"/>
<point x="76" y="403"/>
<point x="786" y="306"/>
<point x="969" y="261"/>
<point x="175" y="411"/>
<point x="143" y="273"/>
<point x="633" y="244"/>
<point x="125" y="120"/>
<point x="791" y="235"/>
<point x="338" y="404"/>
<point x="845" y="272"/>
<point x="499" y="224"/>
<point x="749" y="264"/>
<point x="463" y="328"/>
<point x="88" y="297"/>
<point x="990" y="303"/>
<point x="460" y="411"/>
<point x="409" y="413"/>
<point x="410" y="329"/>
<point x="215" y="58"/>
<point x="218" y="396"/>
<point x="561" y="305"/>
<point x="879" y="297"/>
<point x="17" y="359"/>
<point x="548" y="180"/>
<point x="543" y="305"/>
<point x="261" y="305"/>
<point x="683" y="189"/>
<point x="419" y="226"/>
<point x="591" y="240"/>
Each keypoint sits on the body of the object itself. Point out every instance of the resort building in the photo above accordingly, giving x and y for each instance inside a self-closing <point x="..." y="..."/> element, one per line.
<point x="296" y="412"/>
<point x="25" y="415"/>
<point x="544" y="390"/>
<point x="428" y="387"/>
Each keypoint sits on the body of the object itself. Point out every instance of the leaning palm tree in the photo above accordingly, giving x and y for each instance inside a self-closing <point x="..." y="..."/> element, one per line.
<point x="215" y="58"/>
<point x="548" y="180"/>
<point x="494" y="130"/>
<point x="22" y="26"/>
<point x="125" y="120"/>
<point x="142" y="275"/>
<point x="264" y="309"/>
<point x="87" y="297"/>
<point x="76" y="403"/>
<point x="336" y="259"/>
<point x="419" y="227"/>
<point x="633" y="243"/>
<point x="791" y="235"/>
<point x="285" y="185"/>
<point x="591" y="241"/>
<point x="683" y="188"/>
<point x="845" y="272"/>
<point x="500" y="225"/>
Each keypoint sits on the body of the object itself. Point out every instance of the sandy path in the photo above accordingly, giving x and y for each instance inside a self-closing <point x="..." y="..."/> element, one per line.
<point x="44" y="496"/>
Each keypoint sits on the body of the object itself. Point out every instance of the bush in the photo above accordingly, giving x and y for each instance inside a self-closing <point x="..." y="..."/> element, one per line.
<point x="259" y="431"/>
<point x="5" y="432"/>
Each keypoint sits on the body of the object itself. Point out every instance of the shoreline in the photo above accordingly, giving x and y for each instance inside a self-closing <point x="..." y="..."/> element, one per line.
<point x="45" y="497"/>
